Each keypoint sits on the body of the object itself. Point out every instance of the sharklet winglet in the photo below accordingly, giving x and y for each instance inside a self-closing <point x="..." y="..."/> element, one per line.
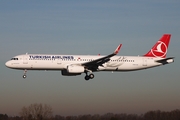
<point x="117" y="49"/>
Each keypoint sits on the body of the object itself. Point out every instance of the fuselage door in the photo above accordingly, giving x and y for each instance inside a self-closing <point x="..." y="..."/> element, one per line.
<point x="25" y="59"/>
<point x="144" y="62"/>
<point x="59" y="61"/>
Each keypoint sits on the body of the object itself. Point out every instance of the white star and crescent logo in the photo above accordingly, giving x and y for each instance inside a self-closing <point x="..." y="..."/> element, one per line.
<point x="160" y="49"/>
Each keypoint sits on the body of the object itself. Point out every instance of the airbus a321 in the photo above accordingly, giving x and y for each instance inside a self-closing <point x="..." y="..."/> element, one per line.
<point x="72" y="65"/>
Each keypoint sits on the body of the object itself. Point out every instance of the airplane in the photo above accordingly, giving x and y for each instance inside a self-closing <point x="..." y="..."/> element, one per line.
<point x="72" y="65"/>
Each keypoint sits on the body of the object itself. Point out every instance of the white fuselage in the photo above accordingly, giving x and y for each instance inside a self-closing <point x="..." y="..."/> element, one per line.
<point x="71" y="65"/>
<point x="60" y="62"/>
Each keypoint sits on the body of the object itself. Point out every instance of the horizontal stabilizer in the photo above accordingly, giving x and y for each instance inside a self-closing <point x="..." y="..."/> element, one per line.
<point x="166" y="60"/>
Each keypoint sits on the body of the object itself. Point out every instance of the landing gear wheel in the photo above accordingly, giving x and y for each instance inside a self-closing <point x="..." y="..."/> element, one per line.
<point x="24" y="76"/>
<point x="86" y="77"/>
<point x="91" y="76"/>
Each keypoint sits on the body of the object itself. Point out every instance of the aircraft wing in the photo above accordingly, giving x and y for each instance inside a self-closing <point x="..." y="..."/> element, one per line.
<point x="93" y="65"/>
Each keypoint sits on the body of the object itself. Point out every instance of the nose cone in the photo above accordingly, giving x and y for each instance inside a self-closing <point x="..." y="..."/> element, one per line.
<point x="8" y="64"/>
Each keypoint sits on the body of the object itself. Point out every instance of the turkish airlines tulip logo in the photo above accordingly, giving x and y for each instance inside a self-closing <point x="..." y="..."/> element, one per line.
<point x="160" y="49"/>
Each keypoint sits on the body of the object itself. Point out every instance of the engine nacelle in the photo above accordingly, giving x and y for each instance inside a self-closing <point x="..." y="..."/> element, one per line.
<point x="66" y="73"/>
<point x="75" y="69"/>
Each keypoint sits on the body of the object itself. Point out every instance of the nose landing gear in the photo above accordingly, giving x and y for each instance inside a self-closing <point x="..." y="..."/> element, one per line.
<point x="24" y="76"/>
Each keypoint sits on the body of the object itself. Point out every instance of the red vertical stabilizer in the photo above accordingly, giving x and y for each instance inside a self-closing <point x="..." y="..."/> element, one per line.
<point x="160" y="48"/>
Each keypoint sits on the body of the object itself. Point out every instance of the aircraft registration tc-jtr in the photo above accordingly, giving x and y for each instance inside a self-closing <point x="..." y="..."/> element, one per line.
<point x="72" y="65"/>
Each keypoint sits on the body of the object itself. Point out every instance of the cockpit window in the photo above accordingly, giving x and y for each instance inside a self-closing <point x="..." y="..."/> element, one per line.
<point x="14" y="58"/>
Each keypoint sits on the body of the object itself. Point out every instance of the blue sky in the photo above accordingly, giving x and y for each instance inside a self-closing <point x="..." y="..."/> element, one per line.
<point x="89" y="27"/>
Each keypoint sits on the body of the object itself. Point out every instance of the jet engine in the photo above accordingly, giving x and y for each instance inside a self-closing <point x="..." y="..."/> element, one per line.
<point x="75" y="69"/>
<point x="66" y="73"/>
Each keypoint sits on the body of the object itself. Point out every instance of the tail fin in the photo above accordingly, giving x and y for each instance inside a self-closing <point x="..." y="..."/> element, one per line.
<point x="160" y="48"/>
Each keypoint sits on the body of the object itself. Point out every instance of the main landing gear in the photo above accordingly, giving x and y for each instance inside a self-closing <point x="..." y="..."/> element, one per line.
<point x="90" y="76"/>
<point x="24" y="76"/>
